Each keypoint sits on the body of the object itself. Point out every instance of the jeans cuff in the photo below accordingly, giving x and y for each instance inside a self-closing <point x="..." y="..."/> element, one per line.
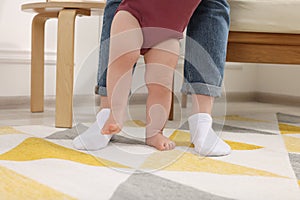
<point x="201" y="88"/>
<point x="100" y="90"/>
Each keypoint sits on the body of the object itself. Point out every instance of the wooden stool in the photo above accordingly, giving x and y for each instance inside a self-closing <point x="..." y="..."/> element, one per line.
<point x="66" y="13"/>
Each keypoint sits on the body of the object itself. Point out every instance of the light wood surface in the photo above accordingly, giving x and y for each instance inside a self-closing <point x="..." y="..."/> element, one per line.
<point x="37" y="61"/>
<point x="183" y="100"/>
<point x="272" y="54"/>
<point x="65" y="68"/>
<point x="171" y="114"/>
<point x="57" y="6"/>
<point x="264" y="38"/>
<point x="66" y="13"/>
<point x="273" y="48"/>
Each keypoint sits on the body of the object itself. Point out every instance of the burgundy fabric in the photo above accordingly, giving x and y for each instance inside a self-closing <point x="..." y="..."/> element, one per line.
<point x="160" y="19"/>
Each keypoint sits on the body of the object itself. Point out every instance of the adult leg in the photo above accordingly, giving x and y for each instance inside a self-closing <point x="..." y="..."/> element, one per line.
<point x="109" y="12"/>
<point x="160" y="61"/>
<point x="125" y="44"/>
<point x="203" y="70"/>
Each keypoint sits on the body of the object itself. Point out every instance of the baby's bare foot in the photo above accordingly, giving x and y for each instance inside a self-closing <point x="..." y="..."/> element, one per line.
<point x="111" y="126"/>
<point x="160" y="142"/>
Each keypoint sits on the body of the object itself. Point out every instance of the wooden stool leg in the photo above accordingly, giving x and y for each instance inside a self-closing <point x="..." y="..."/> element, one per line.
<point x="65" y="68"/>
<point x="171" y="114"/>
<point x="183" y="101"/>
<point x="37" y="63"/>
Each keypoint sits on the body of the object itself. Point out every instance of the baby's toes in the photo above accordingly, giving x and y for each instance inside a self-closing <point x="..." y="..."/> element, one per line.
<point x="114" y="128"/>
<point x="171" y="145"/>
<point x="105" y="130"/>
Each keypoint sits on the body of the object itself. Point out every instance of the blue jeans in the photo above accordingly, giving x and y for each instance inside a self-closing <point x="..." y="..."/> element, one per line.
<point x="205" y="53"/>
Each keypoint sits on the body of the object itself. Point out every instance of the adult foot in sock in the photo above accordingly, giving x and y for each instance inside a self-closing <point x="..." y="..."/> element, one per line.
<point x="92" y="139"/>
<point x="160" y="142"/>
<point x="205" y="140"/>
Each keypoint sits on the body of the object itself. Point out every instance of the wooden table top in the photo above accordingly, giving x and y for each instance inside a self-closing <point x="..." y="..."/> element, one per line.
<point x="57" y="6"/>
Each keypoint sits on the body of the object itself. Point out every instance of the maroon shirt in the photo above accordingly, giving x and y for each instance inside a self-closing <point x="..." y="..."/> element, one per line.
<point x="160" y="19"/>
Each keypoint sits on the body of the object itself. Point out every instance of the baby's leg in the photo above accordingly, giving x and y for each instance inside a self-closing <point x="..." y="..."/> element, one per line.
<point x="125" y="43"/>
<point x="160" y="63"/>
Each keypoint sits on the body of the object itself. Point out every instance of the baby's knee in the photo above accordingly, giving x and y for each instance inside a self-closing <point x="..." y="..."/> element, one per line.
<point x="163" y="78"/>
<point x="159" y="89"/>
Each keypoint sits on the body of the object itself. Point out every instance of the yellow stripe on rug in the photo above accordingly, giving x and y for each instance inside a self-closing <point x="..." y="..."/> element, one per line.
<point x="240" y="118"/>
<point x="135" y="123"/>
<point x="181" y="161"/>
<point x="8" y="130"/>
<point x="292" y="144"/>
<point x="288" y="129"/>
<point x="16" y="186"/>
<point x="182" y="138"/>
<point x="37" y="148"/>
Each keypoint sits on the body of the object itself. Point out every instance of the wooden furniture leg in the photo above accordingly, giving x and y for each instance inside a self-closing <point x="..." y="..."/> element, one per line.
<point x="65" y="66"/>
<point x="66" y="13"/>
<point x="37" y="63"/>
<point x="171" y="114"/>
<point x="183" y="100"/>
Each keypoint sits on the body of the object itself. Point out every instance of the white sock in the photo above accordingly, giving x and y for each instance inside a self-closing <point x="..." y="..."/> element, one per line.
<point x="92" y="139"/>
<point x="205" y="140"/>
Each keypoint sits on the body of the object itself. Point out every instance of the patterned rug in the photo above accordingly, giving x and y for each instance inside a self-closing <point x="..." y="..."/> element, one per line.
<point x="39" y="162"/>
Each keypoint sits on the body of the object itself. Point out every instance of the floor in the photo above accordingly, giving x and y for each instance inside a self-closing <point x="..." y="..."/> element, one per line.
<point x="37" y="160"/>
<point x="85" y="109"/>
